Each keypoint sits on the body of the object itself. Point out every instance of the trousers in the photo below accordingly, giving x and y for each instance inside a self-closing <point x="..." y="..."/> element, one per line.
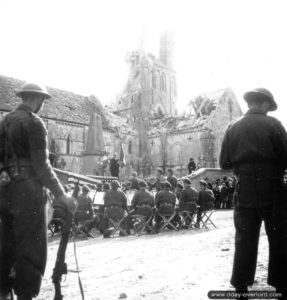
<point x="23" y="251"/>
<point x="260" y="200"/>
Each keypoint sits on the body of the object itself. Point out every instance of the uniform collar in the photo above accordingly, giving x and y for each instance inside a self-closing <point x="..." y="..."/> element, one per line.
<point x="24" y="108"/>
<point x="256" y="111"/>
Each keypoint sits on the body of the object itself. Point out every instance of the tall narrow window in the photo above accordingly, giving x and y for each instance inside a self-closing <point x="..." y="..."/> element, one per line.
<point x="69" y="145"/>
<point x="130" y="149"/>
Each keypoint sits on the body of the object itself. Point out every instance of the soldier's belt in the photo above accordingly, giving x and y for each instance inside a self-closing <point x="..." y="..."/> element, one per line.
<point x="143" y="205"/>
<point x="166" y="204"/>
<point x="113" y="206"/>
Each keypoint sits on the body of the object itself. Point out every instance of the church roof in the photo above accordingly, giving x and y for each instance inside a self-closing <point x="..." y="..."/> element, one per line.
<point x="64" y="105"/>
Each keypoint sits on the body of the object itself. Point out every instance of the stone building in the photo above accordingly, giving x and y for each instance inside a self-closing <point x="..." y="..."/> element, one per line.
<point x="166" y="139"/>
<point x="73" y="132"/>
<point x="143" y="121"/>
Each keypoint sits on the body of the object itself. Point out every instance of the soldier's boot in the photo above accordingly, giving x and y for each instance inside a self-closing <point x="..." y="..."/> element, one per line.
<point x="242" y="290"/>
<point x="24" y="298"/>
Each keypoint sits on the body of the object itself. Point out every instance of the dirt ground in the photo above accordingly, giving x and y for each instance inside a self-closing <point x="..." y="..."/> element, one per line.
<point x="170" y="265"/>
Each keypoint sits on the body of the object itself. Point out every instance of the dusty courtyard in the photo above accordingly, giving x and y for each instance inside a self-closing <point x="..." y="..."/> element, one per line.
<point x="171" y="265"/>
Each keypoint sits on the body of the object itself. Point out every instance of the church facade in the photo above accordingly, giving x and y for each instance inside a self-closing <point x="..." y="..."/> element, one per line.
<point x="142" y="123"/>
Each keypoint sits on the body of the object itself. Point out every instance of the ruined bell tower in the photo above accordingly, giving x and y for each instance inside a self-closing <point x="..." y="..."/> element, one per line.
<point x="166" y="49"/>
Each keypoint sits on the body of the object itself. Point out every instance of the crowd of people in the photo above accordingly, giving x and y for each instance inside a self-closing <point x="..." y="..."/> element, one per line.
<point x="166" y="195"/>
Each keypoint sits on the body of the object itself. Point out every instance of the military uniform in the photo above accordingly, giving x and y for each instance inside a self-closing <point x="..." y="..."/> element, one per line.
<point x="143" y="203"/>
<point x="23" y="153"/>
<point x="255" y="147"/>
<point x="173" y="182"/>
<point x="85" y="208"/>
<point x="115" y="202"/>
<point x="188" y="195"/>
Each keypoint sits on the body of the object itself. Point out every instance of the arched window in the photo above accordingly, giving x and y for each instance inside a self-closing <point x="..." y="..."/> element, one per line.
<point x="130" y="148"/>
<point x="69" y="145"/>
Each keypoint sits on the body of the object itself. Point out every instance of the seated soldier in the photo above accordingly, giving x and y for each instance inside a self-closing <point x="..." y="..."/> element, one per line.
<point x="188" y="197"/>
<point x="187" y="201"/>
<point x="85" y="214"/>
<point x="142" y="202"/>
<point x="205" y="200"/>
<point x="115" y="205"/>
<point x="85" y="206"/>
<point x="106" y="187"/>
<point x="165" y="203"/>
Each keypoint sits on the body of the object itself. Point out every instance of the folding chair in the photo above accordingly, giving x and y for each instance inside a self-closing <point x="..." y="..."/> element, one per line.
<point x="83" y="221"/>
<point x="82" y="229"/>
<point x="142" y="223"/>
<point x="187" y="219"/>
<point x="116" y="226"/>
<point x="206" y="218"/>
<point x="167" y="220"/>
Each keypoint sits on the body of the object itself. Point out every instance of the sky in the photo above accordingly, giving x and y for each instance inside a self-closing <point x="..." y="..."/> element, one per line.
<point x="80" y="45"/>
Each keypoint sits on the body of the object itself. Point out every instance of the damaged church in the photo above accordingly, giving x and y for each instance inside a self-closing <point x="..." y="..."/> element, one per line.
<point x="142" y="124"/>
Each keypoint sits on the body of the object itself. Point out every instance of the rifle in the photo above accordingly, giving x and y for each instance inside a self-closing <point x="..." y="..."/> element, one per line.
<point x="60" y="266"/>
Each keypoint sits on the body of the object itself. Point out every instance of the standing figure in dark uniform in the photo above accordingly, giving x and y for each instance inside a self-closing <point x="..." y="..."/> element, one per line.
<point x="24" y="160"/>
<point x="255" y="147"/>
<point x="114" y="167"/>
<point x="191" y="166"/>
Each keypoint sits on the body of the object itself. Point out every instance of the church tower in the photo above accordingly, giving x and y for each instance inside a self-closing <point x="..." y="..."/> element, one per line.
<point x="166" y="49"/>
<point x="150" y="91"/>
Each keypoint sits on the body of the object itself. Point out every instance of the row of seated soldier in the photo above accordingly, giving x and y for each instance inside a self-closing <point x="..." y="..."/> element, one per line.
<point x="179" y="201"/>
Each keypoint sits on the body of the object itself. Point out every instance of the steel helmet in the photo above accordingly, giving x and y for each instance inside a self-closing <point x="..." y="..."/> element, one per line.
<point x="34" y="88"/>
<point x="261" y="94"/>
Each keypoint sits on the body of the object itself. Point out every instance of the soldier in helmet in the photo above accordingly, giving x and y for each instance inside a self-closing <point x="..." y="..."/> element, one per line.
<point x="25" y="170"/>
<point x="255" y="147"/>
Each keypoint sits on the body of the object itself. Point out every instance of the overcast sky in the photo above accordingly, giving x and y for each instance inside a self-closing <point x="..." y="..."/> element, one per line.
<point x="81" y="45"/>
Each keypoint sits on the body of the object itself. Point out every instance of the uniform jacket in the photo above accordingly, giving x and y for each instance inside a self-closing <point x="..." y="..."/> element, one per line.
<point x="141" y="197"/>
<point x="85" y="203"/>
<point x="173" y="181"/>
<point x="205" y="198"/>
<point x="254" y="138"/>
<point x="189" y="194"/>
<point x="117" y="198"/>
<point x="165" y="196"/>
<point x="27" y="135"/>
